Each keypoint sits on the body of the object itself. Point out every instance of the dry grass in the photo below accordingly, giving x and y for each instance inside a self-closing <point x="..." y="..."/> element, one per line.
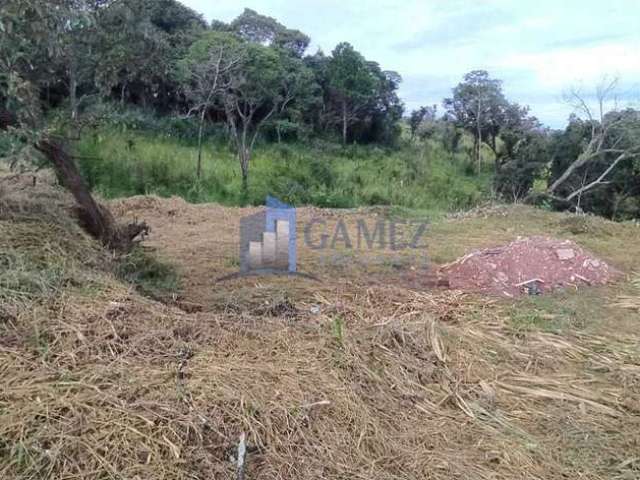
<point x="632" y="301"/>
<point x="344" y="379"/>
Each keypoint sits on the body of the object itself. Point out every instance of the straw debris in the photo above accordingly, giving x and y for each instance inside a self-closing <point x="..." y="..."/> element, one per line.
<point x="380" y="381"/>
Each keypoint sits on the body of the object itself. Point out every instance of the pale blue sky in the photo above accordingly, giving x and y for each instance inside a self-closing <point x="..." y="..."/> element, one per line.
<point x="540" y="49"/>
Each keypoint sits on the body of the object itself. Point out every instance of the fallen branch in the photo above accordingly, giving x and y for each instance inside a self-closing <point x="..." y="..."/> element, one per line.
<point x="599" y="180"/>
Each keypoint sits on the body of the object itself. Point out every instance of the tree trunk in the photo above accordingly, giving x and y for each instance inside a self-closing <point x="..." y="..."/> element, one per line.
<point x="344" y="122"/>
<point x="245" y="183"/>
<point x="579" y="162"/>
<point x="245" y="157"/>
<point x="73" y="91"/>
<point x="96" y="220"/>
<point x="244" y="152"/>
<point x="479" y="139"/>
<point x="474" y="159"/>
<point x="200" y="128"/>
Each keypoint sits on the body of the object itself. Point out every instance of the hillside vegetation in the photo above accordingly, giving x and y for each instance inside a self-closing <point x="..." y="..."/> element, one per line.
<point x="420" y="176"/>
<point x="154" y="99"/>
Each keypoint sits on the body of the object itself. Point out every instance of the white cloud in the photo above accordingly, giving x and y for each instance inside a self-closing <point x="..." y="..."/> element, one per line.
<point x="560" y="69"/>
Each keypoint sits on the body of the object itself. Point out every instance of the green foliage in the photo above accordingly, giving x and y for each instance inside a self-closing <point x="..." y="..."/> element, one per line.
<point x="523" y="156"/>
<point x="360" y="97"/>
<point x="150" y="275"/>
<point x="478" y="103"/>
<point x="22" y="277"/>
<point x="256" y="28"/>
<point x="42" y="252"/>
<point x="349" y="74"/>
<point x="138" y="43"/>
<point x="619" y="195"/>
<point x="31" y="40"/>
<point x="121" y="163"/>
<point x="337" y="330"/>
<point x="516" y="177"/>
<point x="421" y="116"/>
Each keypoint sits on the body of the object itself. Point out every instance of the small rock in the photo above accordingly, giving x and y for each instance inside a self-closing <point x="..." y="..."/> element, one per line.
<point x="503" y="277"/>
<point x="565" y="253"/>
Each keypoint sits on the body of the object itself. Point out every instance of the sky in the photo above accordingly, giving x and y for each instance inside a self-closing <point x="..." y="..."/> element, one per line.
<point x="540" y="49"/>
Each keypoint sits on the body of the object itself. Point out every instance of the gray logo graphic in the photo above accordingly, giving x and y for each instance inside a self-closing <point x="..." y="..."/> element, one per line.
<point x="268" y="243"/>
<point x="268" y="239"/>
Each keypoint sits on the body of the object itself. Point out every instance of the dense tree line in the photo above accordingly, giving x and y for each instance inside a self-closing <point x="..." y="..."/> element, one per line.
<point x="256" y="77"/>
<point x="592" y="165"/>
<point x="132" y="51"/>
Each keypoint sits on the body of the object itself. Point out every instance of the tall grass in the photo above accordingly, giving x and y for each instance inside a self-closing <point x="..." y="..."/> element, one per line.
<point x="123" y="163"/>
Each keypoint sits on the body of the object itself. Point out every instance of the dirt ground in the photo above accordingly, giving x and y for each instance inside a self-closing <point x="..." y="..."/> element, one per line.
<point x="371" y="371"/>
<point x="203" y="242"/>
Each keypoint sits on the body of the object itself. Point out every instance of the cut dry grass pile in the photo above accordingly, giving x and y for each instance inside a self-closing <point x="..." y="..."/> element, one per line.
<point x="116" y="386"/>
<point x="374" y="382"/>
<point x="631" y="302"/>
<point x="42" y="250"/>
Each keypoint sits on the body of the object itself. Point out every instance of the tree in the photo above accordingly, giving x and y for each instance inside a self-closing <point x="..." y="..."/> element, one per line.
<point x="77" y="44"/>
<point x="299" y="92"/>
<point x="135" y="55"/>
<point x="381" y="114"/>
<point x="31" y="34"/>
<point x="478" y="106"/>
<point x="137" y="46"/>
<point x="351" y="84"/>
<point x="253" y="96"/>
<point x="256" y="28"/>
<point x="207" y="73"/>
<point x="37" y="28"/>
<point x="610" y="139"/>
<point x="415" y="119"/>
<point x="419" y="116"/>
<point x="522" y="154"/>
<point x="595" y="163"/>
<point x="373" y="113"/>
<point x="450" y="134"/>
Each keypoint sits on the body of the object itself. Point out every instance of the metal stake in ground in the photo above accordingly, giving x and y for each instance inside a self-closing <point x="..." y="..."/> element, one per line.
<point x="242" y="453"/>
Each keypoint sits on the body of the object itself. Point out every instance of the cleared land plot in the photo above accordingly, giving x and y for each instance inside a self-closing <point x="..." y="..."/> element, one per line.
<point x="362" y="375"/>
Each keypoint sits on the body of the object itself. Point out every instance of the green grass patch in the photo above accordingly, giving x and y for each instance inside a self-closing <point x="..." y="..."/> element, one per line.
<point x="559" y="312"/>
<point x="424" y="177"/>
<point x="39" y="259"/>
<point x="152" y="276"/>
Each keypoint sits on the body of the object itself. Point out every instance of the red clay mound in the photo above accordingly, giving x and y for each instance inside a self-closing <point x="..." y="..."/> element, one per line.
<point x="531" y="265"/>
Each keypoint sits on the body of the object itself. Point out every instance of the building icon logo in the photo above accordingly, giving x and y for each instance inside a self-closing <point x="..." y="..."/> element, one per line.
<point x="268" y="240"/>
